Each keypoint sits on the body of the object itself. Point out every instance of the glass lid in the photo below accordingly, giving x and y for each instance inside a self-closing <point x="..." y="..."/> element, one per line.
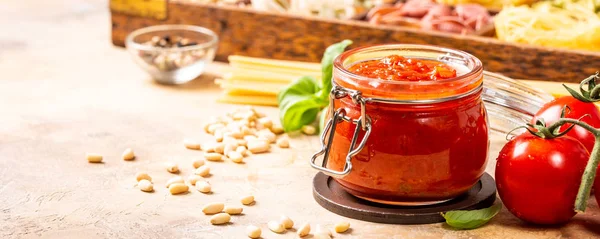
<point x="510" y="103"/>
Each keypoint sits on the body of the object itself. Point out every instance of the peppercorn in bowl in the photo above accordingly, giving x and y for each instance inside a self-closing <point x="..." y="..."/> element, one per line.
<point x="172" y="54"/>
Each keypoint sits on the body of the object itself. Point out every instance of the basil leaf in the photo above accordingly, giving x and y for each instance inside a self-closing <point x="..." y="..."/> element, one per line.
<point x="330" y="54"/>
<point x="463" y="219"/>
<point x="298" y="103"/>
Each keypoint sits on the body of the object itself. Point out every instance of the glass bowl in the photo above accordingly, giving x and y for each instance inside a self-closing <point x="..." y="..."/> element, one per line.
<point x="194" y="48"/>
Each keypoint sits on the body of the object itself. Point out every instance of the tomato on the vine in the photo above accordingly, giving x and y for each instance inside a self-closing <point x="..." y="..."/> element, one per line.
<point x="587" y="112"/>
<point x="538" y="179"/>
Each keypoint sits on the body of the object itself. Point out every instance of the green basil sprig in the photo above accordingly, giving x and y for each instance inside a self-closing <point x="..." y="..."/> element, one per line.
<point x="301" y="101"/>
<point x="462" y="219"/>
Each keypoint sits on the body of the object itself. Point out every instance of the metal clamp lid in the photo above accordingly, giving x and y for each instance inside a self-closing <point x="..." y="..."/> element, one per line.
<point x="362" y="123"/>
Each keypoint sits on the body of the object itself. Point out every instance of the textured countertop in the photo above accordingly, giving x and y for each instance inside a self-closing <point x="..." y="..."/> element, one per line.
<point x="65" y="91"/>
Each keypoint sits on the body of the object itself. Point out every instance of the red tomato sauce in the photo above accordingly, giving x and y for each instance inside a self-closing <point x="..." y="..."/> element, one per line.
<point x="398" y="68"/>
<point x="416" y="153"/>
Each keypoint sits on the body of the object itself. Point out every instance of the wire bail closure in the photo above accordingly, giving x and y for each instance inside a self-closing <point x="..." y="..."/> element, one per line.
<point x="363" y="123"/>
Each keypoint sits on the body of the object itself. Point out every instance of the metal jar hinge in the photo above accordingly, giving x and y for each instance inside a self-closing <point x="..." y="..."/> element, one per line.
<point x="363" y="123"/>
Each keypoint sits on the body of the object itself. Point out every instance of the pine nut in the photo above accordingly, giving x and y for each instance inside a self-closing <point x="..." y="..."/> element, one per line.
<point x="213" y="127"/>
<point x="191" y="144"/>
<point x="232" y="210"/>
<point x="198" y="162"/>
<point x="342" y="227"/>
<point x="140" y="176"/>
<point x="277" y="129"/>
<point x="172" y="167"/>
<point x="235" y="157"/>
<point x="309" y="130"/>
<point x="266" y="122"/>
<point x="247" y="200"/>
<point x="220" y="218"/>
<point x="128" y="154"/>
<point x="250" y="138"/>
<point x="219" y="136"/>
<point x="241" y="150"/>
<point x="253" y="232"/>
<point x="174" y="180"/>
<point x="267" y="134"/>
<point x="202" y="171"/>
<point x="178" y="188"/>
<point x="258" y="146"/>
<point x="93" y="158"/>
<point x="245" y="129"/>
<point x="145" y="186"/>
<point x="193" y="179"/>
<point x="234" y="134"/>
<point x="229" y="148"/>
<point x="203" y="186"/>
<point x="219" y="148"/>
<point x="283" y="142"/>
<point x="241" y="142"/>
<point x="213" y="156"/>
<point x="286" y="222"/>
<point x="276" y="227"/>
<point x="213" y="208"/>
<point x="304" y="230"/>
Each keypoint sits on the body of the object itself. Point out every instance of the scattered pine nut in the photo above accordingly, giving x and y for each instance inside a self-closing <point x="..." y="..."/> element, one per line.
<point x="198" y="162"/>
<point x="220" y="218"/>
<point x="258" y="146"/>
<point x="128" y="154"/>
<point x="219" y="135"/>
<point x="286" y="222"/>
<point x="145" y="185"/>
<point x="266" y="122"/>
<point x="253" y="231"/>
<point x="242" y="142"/>
<point x="178" y="188"/>
<point x="202" y="171"/>
<point x="191" y="144"/>
<point x="250" y="138"/>
<point x="93" y="158"/>
<point x="309" y="130"/>
<point x="267" y="134"/>
<point x="247" y="200"/>
<point x="241" y="149"/>
<point x="203" y="187"/>
<point x="304" y="230"/>
<point x="277" y="129"/>
<point x="283" y="142"/>
<point x="232" y="210"/>
<point x="229" y="148"/>
<point x="213" y="127"/>
<point x="276" y="227"/>
<point x="174" y="180"/>
<point x="213" y="208"/>
<point x="342" y="227"/>
<point x="219" y="148"/>
<point x="235" y="157"/>
<point x="193" y="179"/>
<point x="213" y="156"/>
<point x="172" y="167"/>
<point x="140" y="176"/>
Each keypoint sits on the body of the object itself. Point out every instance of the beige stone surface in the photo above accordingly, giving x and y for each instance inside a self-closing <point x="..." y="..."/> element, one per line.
<point x="65" y="91"/>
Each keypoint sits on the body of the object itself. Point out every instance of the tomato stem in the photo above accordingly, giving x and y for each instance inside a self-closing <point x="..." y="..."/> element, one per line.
<point x="587" y="179"/>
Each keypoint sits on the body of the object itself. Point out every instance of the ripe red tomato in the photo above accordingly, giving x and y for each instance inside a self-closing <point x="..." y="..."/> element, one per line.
<point x="597" y="188"/>
<point x="538" y="179"/>
<point x="551" y="112"/>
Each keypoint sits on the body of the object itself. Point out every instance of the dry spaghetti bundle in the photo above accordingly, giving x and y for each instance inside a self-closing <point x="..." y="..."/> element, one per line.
<point x="572" y="26"/>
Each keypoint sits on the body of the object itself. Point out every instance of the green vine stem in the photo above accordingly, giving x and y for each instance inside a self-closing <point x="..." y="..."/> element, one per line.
<point x="587" y="180"/>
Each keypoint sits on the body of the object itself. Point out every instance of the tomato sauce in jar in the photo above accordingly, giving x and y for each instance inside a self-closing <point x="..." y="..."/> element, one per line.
<point x="429" y="132"/>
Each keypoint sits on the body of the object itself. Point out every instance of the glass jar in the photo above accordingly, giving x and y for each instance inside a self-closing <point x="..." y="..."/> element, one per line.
<point x="406" y="142"/>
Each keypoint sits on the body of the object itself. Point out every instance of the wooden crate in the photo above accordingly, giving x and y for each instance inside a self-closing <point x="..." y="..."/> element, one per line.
<point x="281" y="36"/>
